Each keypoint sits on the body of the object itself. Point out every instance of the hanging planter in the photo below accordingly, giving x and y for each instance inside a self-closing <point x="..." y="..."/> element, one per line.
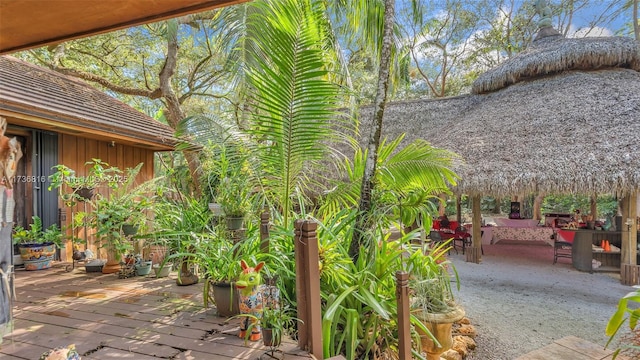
<point x="129" y="229"/>
<point x="84" y="193"/>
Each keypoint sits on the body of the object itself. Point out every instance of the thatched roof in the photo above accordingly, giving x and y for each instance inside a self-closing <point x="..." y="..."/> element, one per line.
<point x="559" y="121"/>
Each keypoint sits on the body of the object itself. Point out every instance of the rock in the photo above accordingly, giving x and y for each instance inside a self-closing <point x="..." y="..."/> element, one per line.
<point x="464" y="321"/>
<point x="467" y="330"/>
<point x="468" y="341"/>
<point x="460" y="346"/>
<point x="451" y="355"/>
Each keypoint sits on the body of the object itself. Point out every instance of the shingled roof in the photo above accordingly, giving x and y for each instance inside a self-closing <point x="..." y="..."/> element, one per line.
<point x="44" y="99"/>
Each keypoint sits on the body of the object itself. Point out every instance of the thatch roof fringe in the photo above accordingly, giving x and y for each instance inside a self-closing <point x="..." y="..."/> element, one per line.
<point x="549" y="56"/>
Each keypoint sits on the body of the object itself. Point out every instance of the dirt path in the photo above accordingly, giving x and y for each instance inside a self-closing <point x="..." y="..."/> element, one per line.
<point x="519" y="301"/>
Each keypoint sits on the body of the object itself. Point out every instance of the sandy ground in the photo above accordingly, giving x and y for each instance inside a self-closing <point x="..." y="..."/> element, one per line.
<point x="520" y="301"/>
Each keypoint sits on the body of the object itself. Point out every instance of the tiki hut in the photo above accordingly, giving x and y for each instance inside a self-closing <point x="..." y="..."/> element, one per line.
<point x="561" y="117"/>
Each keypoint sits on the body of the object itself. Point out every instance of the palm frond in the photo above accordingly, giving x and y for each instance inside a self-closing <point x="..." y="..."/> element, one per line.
<point x="292" y="99"/>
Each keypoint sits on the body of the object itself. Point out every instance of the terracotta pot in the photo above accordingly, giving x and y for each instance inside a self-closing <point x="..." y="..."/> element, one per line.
<point x="113" y="262"/>
<point x="440" y="327"/>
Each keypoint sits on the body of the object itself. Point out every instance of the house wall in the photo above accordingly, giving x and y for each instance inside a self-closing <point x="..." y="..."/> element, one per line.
<point x="74" y="152"/>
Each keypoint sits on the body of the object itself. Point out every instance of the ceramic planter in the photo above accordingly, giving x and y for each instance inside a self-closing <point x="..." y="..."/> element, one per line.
<point x="234" y="223"/>
<point x="143" y="268"/>
<point x="162" y="272"/>
<point x="226" y="296"/>
<point x="439" y="325"/>
<point x="37" y="256"/>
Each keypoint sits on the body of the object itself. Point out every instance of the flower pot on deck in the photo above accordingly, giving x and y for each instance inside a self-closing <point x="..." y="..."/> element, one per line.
<point x="144" y="268"/>
<point x="162" y="271"/>
<point x="226" y="296"/>
<point x="37" y="256"/>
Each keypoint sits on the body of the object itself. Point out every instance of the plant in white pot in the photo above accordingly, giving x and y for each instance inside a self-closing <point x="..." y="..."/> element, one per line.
<point x="433" y="307"/>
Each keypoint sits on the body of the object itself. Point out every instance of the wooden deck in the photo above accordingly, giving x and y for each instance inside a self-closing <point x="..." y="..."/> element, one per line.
<point x="140" y="318"/>
<point x="570" y="348"/>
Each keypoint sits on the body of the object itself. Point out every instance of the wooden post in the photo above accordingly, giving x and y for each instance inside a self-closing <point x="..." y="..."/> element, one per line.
<point x="474" y="253"/>
<point x="594" y="207"/>
<point x="264" y="232"/>
<point x="459" y="210"/>
<point x="537" y="204"/>
<point x="629" y="269"/>
<point x="308" y="287"/>
<point x="404" y="322"/>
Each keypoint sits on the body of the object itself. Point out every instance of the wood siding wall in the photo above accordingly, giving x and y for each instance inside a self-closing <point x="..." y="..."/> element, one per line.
<point x="75" y="151"/>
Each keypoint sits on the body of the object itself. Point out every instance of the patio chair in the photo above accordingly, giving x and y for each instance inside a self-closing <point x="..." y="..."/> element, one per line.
<point x="561" y="249"/>
<point x="437" y="239"/>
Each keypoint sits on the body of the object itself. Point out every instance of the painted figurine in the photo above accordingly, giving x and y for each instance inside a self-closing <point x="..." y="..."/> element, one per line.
<point x="250" y="291"/>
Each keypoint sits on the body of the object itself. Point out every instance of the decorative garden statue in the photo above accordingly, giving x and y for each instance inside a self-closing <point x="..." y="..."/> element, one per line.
<point x="250" y="291"/>
<point x="10" y="154"/>
<point x="543" y="9"/>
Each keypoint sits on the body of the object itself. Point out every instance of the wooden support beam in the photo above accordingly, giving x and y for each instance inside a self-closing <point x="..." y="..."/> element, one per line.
<point x="404" y="322"/>
<point x="475" y="252"/>
<point x="264" y="232"/>
<point x="308" y="287"/>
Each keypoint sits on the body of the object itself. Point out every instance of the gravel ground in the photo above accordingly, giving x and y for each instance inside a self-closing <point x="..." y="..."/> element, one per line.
<point x="519" y="301"/>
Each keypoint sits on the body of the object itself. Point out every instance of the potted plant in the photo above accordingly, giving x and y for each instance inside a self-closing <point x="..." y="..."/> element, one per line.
<point x="126" y="204"/>
<point x="74" y="188"/>
<point x="274" y="323"/>
<point x="233" y="197"/>
<point x="433" y="306"/>
<point x="143" y="267"/>
<point x="218" y="262"/>
<point x="37" y="246"/>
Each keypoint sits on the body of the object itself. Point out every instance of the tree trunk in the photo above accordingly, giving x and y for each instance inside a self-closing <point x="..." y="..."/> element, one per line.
<point x="174" y="110"/>
<point x="362" y="220"/>
<point x="636" y="26"/>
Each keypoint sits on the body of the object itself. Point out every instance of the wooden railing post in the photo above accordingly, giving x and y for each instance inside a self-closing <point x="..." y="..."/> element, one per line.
<point x="404" y="322"/>
<point x="308" y="287"/>
<point x="264" y="232"/>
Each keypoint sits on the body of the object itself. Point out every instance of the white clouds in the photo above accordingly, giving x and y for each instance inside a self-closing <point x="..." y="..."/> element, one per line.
<point x="583" y="32"/>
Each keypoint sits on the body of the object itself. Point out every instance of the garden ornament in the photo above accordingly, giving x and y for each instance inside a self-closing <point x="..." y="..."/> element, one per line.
<point x="249" y="289"/>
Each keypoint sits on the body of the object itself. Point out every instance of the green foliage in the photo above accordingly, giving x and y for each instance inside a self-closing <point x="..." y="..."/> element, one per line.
<point x="359" y="306"/>
<point x="293" y="99"/>
<point x="408" y="178"/>
<point x="607" y="205"/>
<point x="36" y="235"/>
<point x="623" y="314"/>
<point x="69" y="184"/>
<point x="125" y="203"/>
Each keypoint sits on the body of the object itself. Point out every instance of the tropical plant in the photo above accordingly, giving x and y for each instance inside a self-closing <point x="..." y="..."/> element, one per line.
<point x="407" y="179"/>
<point x="126" y="204"/>
<point x="35" y="234"/>
<point x="431" y="275"/>
<point x="625" y="313"/>
<point x="279" y="320"/>
<point x="71" y="186"/>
